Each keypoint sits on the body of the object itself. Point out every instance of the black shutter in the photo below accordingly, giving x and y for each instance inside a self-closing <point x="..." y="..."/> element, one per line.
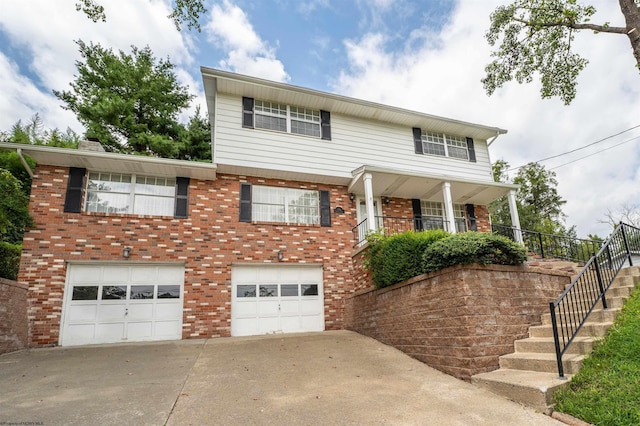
<point x="325" y="209"/>
<point x="325" y="125"/>
<point x="417" y="214"/>
<point x="182" y="197"/>
<point x="247" y="112"/>
<point x="417" y="140"/>
<point x="472" y="151"/>
<point x="471" y="214"/>
<point x="245" y="202"/>
<point x="75" y="186"/>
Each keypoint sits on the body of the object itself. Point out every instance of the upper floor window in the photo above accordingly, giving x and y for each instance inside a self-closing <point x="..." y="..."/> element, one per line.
<point x="261" y="114"/>
<point x="132" y="194"/>
<point x="443" y="145"/>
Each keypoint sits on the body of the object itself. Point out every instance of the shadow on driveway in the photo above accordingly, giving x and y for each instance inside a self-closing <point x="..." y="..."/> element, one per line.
<point x="336" y="377"/>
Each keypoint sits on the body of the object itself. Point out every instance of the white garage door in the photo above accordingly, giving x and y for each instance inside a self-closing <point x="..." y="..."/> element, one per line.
<point x="120" y="303"/>
<point x="276" y="299"/>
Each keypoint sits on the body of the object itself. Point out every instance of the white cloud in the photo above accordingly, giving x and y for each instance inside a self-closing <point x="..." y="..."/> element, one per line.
<point x="44" y="32"/>
<point x="230" y="29"/>
<point x="440" y="73"/>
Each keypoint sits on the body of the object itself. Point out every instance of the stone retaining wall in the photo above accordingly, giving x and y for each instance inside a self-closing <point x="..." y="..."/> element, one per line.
<point x="13" y="316"/>
<point x="458" y="320"/>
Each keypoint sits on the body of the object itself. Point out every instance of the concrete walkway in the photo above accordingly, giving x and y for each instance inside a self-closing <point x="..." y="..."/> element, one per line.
<point x="330" y="378"/>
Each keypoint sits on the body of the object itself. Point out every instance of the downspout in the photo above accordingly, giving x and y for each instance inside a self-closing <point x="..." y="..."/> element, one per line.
<point x="24" y="163"/>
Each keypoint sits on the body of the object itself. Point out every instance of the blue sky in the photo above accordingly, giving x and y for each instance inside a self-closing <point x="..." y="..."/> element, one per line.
<point x="427" y="56"/>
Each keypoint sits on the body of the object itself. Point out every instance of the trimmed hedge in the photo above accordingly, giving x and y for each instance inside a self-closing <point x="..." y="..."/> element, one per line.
<point x="396" y="258"/>
<point x="472" y="247"/>
<point x="9" y="260"/>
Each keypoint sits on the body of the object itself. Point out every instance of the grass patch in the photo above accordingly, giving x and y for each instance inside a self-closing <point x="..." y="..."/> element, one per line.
<point x="606" y="391"/>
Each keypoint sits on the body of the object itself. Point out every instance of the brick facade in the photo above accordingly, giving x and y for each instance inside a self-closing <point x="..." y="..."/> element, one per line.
<point x="208" y="242"/>
<point x="13" y="316"/>
<point x="458" y="320"/>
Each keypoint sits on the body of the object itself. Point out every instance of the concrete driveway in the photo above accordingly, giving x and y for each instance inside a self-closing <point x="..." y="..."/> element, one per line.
<point x="338" y="377"/>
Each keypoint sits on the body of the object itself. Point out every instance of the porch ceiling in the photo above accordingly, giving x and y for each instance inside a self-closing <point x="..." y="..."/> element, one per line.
<point x="406" y="184"/>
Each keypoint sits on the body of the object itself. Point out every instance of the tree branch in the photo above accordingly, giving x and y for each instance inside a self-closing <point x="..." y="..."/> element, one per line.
<point x="576" y="26"/>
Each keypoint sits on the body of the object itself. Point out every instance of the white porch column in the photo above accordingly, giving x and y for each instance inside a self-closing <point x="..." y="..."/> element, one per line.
<point x="448" y="207"/>
<point x="515" y="218"/>
<point x="368" y="197"/>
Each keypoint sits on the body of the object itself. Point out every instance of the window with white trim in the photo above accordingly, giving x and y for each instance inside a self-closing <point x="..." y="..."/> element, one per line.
<point x="285" y="205"/>
<point x="286" y="118"/>
<point x="434" y="217"/>
<point x="130" y="194"/>
<point x="445" y="145"/>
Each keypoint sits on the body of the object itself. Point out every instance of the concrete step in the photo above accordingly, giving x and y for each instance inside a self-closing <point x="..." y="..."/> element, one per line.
<point x="580" y="345"/>
<point x="589" y="329"/>
<point x="530" y="388"/>
<point x="541" y="362"/>
<point x="597" y="315"/>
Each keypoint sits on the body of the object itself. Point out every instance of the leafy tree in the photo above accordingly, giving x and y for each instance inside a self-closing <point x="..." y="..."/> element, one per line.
<point x="196" y="139"/>
<point x="188" y="11"/>
<point x="535" y="36"/>
<point x="34" y="133"/>
<point x="14" y="209"/>
<point x="539" y="204"/>
<point x="129" y="102"/>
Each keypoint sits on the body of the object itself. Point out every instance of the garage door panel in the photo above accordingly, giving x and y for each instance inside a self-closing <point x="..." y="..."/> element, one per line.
<point x="140" y="311"/>
<point x="267" y="324"/>
<point x="141" y="275"/>
<point x="268" y="307"/>
<point x="110" y="332"/>
<point x="82" y="332"/>
<point x="111" y="312"/>
<point x="290" y="306"/>
<point x="139" y="330"/>
<point x="170" y="275"/>
<point x="167" y="328"/>
<point x="82" y="313"/>
<point x="164" y="310"/>
<point x="86" y="274"/>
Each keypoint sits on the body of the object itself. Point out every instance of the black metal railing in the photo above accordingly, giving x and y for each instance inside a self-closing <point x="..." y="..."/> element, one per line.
<point x="571" y="310"/>
<point x="551" y="245"/>
<point x="390" y="225"/>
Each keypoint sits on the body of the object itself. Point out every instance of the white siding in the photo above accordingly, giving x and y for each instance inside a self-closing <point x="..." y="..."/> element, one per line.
<point x="355" y="142"/>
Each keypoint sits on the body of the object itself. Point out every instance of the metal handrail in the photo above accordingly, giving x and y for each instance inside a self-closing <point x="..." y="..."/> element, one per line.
<point x="390" y="225"/>
<point x="571" y="310"/>
<point x="552" y="245"/>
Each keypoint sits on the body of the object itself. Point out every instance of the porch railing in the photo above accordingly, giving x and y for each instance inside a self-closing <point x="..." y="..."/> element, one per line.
<point x="552" y="246"/>
<point x="571" y="310"/>
<point x="390" y="225"/>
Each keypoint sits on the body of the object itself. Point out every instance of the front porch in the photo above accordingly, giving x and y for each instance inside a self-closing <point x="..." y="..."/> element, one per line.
<point x="400" y="200"/>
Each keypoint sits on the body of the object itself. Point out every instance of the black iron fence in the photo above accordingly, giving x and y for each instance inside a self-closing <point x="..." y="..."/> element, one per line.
<point x="570" y="311"/>
<point x="551" y="245"/>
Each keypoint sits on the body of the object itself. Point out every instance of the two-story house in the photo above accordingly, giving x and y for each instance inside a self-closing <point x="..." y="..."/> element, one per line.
<point x="133" y="248"/>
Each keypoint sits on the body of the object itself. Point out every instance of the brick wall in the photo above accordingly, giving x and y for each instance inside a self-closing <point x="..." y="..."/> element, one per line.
<point x="458" y="320"/>
<point x="13" y="316"/>
<point x="207" y="242"/>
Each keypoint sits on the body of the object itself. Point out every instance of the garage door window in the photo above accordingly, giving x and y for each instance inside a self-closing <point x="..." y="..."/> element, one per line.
<point x="114" y="292"/>
<point x="168" y="292"/>
<point x="139" y="292"/>
<point x="309" y="289"/>
<point x="85" y="293"/>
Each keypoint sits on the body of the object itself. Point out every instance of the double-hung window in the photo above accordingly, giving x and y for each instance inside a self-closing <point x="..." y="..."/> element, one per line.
<point x="443" y="145"/>
<point x="130" y="194"/>
<point x="434" y="217"/>
<point x="259" y="114"/>
<point x="286" y="118"/>
<point x="285" y="205"/>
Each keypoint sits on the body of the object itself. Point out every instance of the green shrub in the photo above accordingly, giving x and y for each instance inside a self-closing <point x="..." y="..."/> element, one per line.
<point x="9" y="260"/>
<point x="396" y="258"/>
<point x="472" y="247"/>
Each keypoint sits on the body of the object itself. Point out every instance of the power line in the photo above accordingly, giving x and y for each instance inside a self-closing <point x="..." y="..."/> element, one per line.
<point x="591" y="155"/>
<point x="578" y="149"/>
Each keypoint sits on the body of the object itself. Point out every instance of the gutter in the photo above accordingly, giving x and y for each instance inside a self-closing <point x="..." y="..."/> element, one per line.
<point x="24" y="163"/>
